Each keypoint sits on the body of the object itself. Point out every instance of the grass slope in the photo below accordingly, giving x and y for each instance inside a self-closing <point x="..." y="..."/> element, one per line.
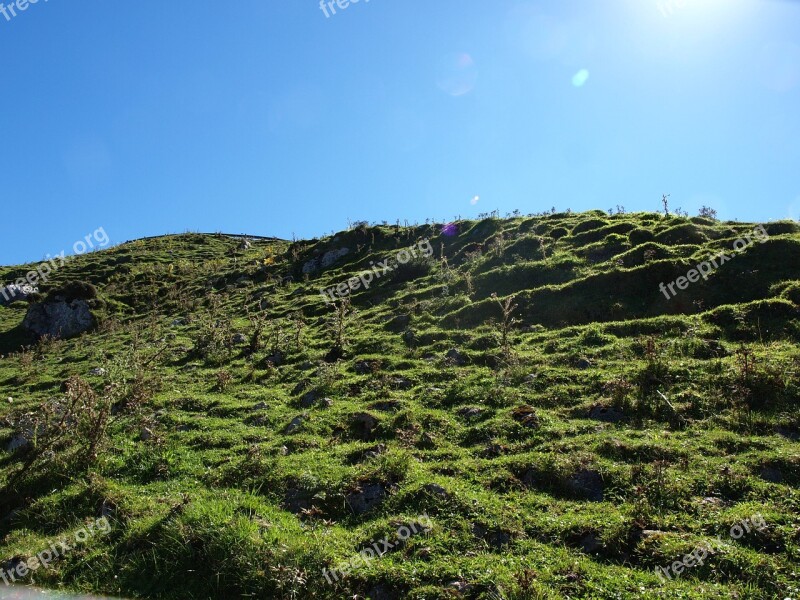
<point x="614" y="432"/>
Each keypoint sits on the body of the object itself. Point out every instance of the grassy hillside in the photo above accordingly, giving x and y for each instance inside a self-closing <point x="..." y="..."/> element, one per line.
<point x="561" y="439"/>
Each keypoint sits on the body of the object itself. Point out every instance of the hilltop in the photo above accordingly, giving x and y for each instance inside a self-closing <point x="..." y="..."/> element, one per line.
<point x="527" y="397"/>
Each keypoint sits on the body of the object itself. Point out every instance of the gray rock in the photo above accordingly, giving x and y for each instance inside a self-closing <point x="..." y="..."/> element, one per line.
<point x="276" y="360"/>
<point x="584" y="364"/>
<point x="238" y="339"/>
<point x="59" y="318"/>
<point x="17" y="442"/>
<point x="402" y="383"/>
<point x="531" y="478"/>
<point x="296" y="423"/>
<point x="10" y="516"/>
<point x="301" y="387"/>
<point x="646" y="534"/>
<point x="375" y="452"/>
<point x="308" y="399"/>
<point x="297" y="500"/>
<point x="470" y="412"/>
<point x="456" y="357"/>
<point x="771" y="474"/>
<point x="606" y="414"/>
<point x="386" y="406"/>
<point x="711" y="501"/>
<point x="329" y="258"/>
<point x="586" y="484"/>
<point x="398" y="323"/>
<point x="496" y="538"/>
<point x="590" y="544"/>
<point x="108" y="509"/>
<point x="365" y="367"/>
<point x="435" y="489"/>
<point x="312" y="266"/>
<point x="98" y="372"/>
<point x="788" y="433"/>
<point x="460" y="587"/>
<point x="366" y="498"/>
<point x="382" y="592"/>
<point x="364" y="425"/>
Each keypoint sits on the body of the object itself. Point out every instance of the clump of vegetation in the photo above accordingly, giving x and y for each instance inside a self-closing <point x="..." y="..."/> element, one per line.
<point x="417" y="267"/>
<point x="339" y="324"/>
<point x="507" y="323"/>
<point x="214" y="333"/>
<point x="73" y="290"/>
<point x="707" y="213"/>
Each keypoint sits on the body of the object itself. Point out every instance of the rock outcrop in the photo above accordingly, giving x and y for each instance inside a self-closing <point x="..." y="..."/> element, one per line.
<point x="59" y="318"/>
<point x="325" y="261"/>
<point x="65" y="313"/>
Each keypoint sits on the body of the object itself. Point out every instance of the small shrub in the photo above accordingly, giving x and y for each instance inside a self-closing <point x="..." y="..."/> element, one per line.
<point x="339" y="322"/>
<point x="707" y="213"/>
<point x="640" y="236"/>
<point x="594" y="336"/>
<point x="414" y="269"/>
<point x="507" y="309"/>
<point x="224" y="379"/>
<point x="73" y="290"/>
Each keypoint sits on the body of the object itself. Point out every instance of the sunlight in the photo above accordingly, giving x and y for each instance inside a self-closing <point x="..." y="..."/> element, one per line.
<point x="704" y="14"/>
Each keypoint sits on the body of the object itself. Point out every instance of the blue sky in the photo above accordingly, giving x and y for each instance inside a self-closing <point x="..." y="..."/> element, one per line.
<point x="270" y="118"/>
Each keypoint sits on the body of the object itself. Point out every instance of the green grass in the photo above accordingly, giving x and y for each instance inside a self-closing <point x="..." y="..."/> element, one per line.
<point x="212" y="495"/>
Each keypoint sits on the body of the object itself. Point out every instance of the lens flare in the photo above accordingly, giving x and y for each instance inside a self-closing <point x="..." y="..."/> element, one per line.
<point x="580" y="78"/>
<point x="457" y="74"/>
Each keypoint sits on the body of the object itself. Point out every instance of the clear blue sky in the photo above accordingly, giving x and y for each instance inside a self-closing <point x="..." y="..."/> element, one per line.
<point x="266" y="117"/>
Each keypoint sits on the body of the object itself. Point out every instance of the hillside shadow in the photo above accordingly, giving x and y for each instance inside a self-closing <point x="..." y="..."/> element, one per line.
<point x="15" y="339"/>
